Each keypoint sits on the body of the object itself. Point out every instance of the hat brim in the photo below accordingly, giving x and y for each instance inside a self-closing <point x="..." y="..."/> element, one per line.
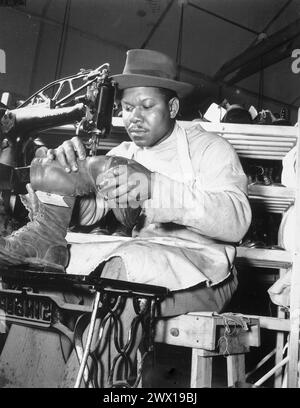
<point x="136" y="80"/>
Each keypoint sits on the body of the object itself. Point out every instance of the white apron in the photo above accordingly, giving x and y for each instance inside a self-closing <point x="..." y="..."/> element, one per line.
<point x="167" y="261"/>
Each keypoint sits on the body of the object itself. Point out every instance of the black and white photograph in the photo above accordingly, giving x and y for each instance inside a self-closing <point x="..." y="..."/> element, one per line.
<point x="149" y="197"/>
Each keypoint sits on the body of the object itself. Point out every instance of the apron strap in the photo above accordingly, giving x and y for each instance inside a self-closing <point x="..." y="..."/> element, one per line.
<point x="182" y="151"/>
<point x="132" y="150"/>
<point x="184" y="155"/>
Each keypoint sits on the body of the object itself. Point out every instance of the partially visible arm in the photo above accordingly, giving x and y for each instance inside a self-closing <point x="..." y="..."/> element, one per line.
<point x="215" y="205"/>
<point x="91" y="209"/>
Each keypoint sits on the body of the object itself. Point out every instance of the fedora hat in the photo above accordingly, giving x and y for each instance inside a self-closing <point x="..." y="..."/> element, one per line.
<point x="150" y="68"/>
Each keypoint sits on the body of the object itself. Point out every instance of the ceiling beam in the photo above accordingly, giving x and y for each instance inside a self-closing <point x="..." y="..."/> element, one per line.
<point x="85" y="34"/>
<point x="281" y="37"/>
<point x="260" y="63"/>
<point x="270" y="58"/>
<point x="232" y="22"/>
<point x="209" y="87"/>
<point x="278" y="14"/>
<point x="157" y="24"/>
<point x="38" y="47"/>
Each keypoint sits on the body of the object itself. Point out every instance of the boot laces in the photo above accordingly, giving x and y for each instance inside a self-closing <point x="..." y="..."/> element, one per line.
<point x="34" y="223"/>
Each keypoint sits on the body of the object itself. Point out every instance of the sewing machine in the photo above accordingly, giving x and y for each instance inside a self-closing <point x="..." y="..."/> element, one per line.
<point x="40" y="311"/>
<point x="46" y="321"/>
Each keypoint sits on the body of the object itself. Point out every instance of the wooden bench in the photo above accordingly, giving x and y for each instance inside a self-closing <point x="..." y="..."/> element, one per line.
<point x="210" y="335"/>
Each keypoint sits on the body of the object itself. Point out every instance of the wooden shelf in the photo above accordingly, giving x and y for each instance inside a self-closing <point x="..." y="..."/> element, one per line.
<point x="56" y="135"/>
<point x="263" y="258"/>
<point x="267" y="142"/>
<point x="250" y="141"/>
<point x="245" y="138"/>
<point x="276" y="199"/>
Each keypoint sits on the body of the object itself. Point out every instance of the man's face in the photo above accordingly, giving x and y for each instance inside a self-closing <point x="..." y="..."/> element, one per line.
<point x="148" y="117"/>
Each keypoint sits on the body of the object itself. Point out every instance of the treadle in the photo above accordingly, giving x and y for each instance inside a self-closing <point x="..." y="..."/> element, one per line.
<point x="210" y="335"/>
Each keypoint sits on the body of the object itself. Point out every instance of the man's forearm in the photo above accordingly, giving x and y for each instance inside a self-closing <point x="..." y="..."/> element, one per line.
<point x="91" y="210"/>
<point x="220" y="214"/>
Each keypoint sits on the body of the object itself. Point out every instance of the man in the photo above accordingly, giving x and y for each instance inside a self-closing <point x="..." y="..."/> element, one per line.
<point x="182" y="191"/>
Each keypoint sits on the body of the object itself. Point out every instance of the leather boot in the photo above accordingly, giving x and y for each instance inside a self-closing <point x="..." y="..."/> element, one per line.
<point x="44" y="237"/>
<point x="47" y="175"/>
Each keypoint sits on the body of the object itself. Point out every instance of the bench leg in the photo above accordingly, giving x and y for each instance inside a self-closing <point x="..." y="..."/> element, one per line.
<point x="280" y="341"/>
<point x="235" y="369"/>
<point x="201" y="370"/>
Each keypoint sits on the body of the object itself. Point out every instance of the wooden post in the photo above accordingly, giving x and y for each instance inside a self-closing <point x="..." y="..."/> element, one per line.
<point x="295" y="283"/>
<point x="280" y="340"/>
<point x="201" y="370"/>
<point x="235" y="369"/>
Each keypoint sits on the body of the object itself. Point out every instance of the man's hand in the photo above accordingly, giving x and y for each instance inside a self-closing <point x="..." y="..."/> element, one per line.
<point x="68" y="153"/>
<point x="126" y="185"/>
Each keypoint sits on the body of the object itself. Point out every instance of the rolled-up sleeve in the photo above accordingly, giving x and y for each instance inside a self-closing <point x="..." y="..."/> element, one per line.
<point x="91" y="209"/>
